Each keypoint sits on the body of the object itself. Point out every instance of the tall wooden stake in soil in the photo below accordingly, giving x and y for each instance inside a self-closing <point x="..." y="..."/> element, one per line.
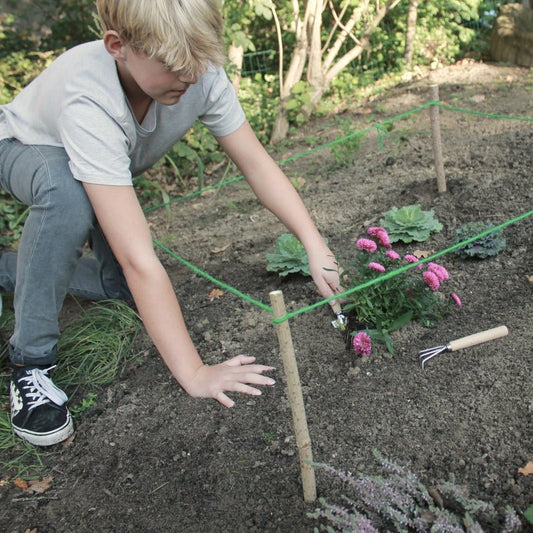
<point x="437" y="143"/>
<point x="303" y="440"/>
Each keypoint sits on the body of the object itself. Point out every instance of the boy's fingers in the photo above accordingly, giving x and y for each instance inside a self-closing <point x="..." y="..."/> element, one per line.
<point x="245" y="362"/>
<point x="246" y="389"/>
<point x="226" y="401"/>
<point x="256" y="369"/>
<point x="239" y="360"/>
<point x="256" y="379"/>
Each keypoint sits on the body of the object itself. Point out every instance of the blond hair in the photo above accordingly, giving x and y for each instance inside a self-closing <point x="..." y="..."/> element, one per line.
<point x="186" y="35"/>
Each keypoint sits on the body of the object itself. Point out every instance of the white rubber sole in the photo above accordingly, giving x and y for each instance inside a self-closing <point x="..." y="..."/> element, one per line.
<point x="47" y="439"/>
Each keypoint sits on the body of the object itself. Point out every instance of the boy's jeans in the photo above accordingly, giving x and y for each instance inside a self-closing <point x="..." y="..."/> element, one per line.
<point x="49" y="263"/>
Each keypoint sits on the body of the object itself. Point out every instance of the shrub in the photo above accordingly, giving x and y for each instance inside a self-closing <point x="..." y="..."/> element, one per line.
<point x="398" y="501"/>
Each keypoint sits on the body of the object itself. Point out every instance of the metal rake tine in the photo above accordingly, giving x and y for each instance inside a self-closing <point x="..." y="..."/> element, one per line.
<point x="430" y="353"/>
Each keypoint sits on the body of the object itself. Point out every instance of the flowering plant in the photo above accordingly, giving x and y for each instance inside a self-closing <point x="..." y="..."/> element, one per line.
<point x="387" y="305"/>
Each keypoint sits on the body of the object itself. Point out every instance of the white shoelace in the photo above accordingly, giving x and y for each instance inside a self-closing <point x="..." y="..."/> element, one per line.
<point x="41" y="389"/>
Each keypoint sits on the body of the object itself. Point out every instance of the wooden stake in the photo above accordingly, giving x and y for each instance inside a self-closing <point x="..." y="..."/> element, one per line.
<point x="437" y="143"/>
<point x="294" y="387"/>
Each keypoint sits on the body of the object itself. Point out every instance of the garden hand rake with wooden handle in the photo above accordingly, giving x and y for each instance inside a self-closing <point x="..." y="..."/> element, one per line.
<point x="464" y="342"/>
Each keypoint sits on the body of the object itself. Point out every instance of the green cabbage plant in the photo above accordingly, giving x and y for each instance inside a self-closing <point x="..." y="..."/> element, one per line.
<point x="410" y="223"/>
<point x="486" y="246"/>
<point x="289" y="257"/>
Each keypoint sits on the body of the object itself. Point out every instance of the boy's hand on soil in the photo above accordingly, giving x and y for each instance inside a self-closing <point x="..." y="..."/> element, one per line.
<point x="233" y="375"/>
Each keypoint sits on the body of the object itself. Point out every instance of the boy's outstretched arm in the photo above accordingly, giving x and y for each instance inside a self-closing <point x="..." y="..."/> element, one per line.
<point x="278" y="195"/>
<point x="124" y="225"/>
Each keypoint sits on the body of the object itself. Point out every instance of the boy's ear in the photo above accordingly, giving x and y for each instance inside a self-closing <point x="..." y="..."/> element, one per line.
<point x="114" y="44"/>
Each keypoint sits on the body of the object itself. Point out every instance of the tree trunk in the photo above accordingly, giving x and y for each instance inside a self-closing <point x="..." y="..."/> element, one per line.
<point x="294" y="74"/>
<point x="322" y="70"/>
<point x="236" y="56"/>
<point x="410" y="33"/>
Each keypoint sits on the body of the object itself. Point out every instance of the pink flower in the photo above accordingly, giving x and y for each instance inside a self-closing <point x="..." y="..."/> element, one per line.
<point x="391" y="254"/>
<point x="383" y="238"/>
<point x="439" y="271"/>
<point x="410" y="258"/>
<point x="378" y="267"/>
<point x="431" y="279"/>
<point x="367" y="245"/>
<point x="362" y="344"/>
<point x="374" y="230"/>
<point x="456" y="299"/>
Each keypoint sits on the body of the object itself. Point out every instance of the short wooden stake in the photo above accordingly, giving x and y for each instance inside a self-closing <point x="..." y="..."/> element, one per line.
<point x="294" y="387"/>
<point x="437" y="143"/>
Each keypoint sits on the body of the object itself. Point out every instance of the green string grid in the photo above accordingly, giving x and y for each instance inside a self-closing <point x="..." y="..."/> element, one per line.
<point x="380" y="128"/>
<point x="382" y="131"/>
<point x="200" y="272"/>
<point x="362" y="286"/>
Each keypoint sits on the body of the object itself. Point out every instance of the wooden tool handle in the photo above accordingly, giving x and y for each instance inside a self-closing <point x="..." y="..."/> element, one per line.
<point x="336" y="306"/>
<point x="478" y="338"/>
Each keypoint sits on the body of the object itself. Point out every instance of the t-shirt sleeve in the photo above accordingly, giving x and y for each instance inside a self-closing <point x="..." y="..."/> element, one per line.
<point x="223" y="113"/>
<point x="96" y="144"/>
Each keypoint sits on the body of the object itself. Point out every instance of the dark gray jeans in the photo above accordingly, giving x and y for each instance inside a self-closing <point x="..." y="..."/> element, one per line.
<point x="49" y="262"/>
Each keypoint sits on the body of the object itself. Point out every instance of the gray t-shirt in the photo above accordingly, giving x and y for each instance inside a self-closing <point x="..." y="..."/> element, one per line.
<point x="78" y="103"/>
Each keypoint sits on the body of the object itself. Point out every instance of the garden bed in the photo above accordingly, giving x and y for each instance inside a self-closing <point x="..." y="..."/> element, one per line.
<point x="148" y="458"/>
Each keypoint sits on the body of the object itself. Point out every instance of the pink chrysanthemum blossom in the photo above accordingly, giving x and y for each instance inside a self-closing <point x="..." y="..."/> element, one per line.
<point x="367" y="245"/>
<point x="362" y="344"/>
<point x="383" y="238"/>
<point x="439" y="271"/>
<point x="378" y="267"/>
<point x="410" y="258"/>
<point x="373" y="230"/>
<point x="391" y="254"/>
<point x="456" y="299"/>
<point x="431" y="279"/>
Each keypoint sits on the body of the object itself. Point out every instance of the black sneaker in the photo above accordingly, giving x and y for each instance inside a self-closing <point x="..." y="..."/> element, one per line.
<point x="38" y="408"/>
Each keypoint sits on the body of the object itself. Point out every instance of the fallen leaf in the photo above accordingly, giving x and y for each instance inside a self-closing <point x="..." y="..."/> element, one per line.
<point x="38" y="487"/>
<point x="421" y="254"/>
<point x="21" y="484"/>
<point x="67" y="442"/>
<point x="528" y="469"/>
<point x="477" y="98"/>
<point x="215" y="294"/>
<point x="221" y="249"/>
<point x="529" y="278"/>
<point x="34" y="530"/>
<point x="437" y="498"/>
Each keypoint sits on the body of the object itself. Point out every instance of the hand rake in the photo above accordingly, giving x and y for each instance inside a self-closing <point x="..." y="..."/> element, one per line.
<point x="464" y="342"/>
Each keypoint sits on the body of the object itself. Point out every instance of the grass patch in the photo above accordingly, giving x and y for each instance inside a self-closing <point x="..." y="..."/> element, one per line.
<point x="93" y="350"/>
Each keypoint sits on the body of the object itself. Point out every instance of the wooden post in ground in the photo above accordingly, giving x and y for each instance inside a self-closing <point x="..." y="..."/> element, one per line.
<point x="437" y="143"/>
<point x="294" y="387"/>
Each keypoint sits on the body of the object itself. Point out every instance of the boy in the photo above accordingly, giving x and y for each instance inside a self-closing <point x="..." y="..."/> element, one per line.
<point x="69" y="145"/>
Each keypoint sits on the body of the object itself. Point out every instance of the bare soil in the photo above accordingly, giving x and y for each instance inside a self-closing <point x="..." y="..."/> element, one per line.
<point x="149" y="458"/>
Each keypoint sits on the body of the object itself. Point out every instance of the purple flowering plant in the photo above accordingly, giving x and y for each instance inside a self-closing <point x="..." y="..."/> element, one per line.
<point x="382" y="307"/>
